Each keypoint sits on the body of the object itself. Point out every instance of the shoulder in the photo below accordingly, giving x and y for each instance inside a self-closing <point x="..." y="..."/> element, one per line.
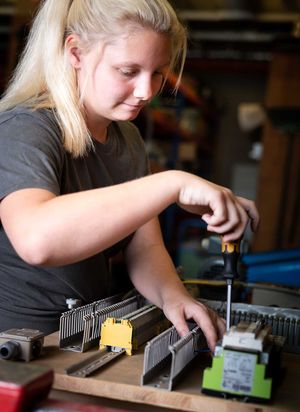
<point x="30" y="127"/>
<point x="32" y="153"/>
<point x="21" y="115"/>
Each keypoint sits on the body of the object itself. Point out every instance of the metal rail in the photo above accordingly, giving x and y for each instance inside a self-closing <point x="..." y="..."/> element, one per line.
<point x="121" y="335"/>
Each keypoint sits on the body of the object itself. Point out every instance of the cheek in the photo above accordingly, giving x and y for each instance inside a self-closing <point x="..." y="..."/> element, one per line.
<point x="119" y="90"/>
<point x="108" y="87"/>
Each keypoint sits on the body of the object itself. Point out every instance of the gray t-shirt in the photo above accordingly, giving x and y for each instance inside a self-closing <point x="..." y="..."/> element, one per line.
<point x="32" y="156"/>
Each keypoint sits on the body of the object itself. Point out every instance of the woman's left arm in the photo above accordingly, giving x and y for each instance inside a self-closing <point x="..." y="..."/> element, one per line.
<point x="154" y="276"/>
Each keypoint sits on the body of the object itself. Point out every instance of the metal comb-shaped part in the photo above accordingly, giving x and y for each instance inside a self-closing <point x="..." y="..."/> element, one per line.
<point x="167" y="355"/>
<point x="71" y="326"/>
<point x="120" y="335"/>
<point x="284" y="321"/>
<point x="94" y="321"/>
<point x="80" y="327"/>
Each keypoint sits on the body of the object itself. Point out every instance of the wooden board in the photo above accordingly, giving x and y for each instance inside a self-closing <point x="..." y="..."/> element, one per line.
<point x="278" y="195"/>
<point x="121" y="381"/>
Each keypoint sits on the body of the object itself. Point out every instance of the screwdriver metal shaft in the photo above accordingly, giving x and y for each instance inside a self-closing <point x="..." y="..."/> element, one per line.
<point x="228" y="308"/>
<point x="230" y="252"/>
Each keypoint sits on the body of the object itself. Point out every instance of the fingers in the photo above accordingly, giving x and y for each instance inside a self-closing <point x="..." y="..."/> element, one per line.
<point x="181" y="327"/>
<point x="224" y="213"/>
<point x="212" y="326"/>
<point x="237" y="212"/>
<point x="251" y="211"/>
<point x="210" y="323"/>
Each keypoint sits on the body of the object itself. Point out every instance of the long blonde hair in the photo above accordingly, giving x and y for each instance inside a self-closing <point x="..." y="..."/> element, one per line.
<point x="44" y="78"/>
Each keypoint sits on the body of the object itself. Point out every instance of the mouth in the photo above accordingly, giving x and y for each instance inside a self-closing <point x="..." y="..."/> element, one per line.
<point x="134" y="106"/>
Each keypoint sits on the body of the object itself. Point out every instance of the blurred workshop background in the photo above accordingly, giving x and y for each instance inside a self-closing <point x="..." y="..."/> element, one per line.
<point x="235" y="121"/>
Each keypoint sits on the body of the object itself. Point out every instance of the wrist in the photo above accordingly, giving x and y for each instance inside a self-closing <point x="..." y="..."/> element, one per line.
<point x="174" y="183"/>
<point x="174" y="294"/>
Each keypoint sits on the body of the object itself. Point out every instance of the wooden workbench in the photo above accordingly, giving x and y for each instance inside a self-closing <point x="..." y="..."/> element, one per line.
<point x="121" y="381"/>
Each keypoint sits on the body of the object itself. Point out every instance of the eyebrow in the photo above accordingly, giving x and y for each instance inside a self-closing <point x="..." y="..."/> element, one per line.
<point x="132" y="64"/>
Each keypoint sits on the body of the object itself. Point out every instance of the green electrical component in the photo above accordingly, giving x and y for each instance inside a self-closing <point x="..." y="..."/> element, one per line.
<point x="245" y="364"/>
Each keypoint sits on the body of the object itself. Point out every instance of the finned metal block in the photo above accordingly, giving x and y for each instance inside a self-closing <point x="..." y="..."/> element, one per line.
<point x="80" y="327"/>
<point x="167" y="355"/>
<point x="283" y="322"/>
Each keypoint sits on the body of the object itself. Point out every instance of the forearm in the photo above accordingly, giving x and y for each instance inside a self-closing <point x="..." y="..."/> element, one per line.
<point x="151" y="268"/>
<point x="154" y="275"/>
<point x="56" y="230"/>
<point x="60" y="230"/>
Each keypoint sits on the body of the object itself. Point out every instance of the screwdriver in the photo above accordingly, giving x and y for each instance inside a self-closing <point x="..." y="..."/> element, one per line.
<point x="230" y="252"/>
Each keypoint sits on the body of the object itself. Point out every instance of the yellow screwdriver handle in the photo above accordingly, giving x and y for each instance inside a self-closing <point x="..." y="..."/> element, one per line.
<point x="231" y="252"/>
<point x="231" y="247"/>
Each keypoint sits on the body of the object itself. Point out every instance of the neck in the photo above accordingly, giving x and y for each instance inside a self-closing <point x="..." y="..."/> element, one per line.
<point x="100" y="136"/>
<point x="99" y="131"/>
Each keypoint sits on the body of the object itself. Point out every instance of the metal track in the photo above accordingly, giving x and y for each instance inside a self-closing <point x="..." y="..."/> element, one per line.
<point x="93" y="363"/>
<point x="142" y="324"/>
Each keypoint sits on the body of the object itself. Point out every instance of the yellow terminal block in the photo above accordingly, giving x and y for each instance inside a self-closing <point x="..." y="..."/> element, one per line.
<point x="134" y="329"/>
<point x="117" y="333"/>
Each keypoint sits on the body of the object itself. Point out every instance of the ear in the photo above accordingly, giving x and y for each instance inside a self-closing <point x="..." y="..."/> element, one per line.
<point x="73" y="50"/>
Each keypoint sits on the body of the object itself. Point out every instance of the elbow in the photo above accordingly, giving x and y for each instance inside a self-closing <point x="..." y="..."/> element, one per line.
<point x="34" y="250"/>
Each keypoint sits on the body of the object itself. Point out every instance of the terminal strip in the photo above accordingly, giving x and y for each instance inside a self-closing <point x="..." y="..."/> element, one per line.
<point x="80" y="327"/>
<point x="132" y="330"/>
<point x="167" y="355"/>
<point x="283" y="321"/>
<point x="122" y="335"/>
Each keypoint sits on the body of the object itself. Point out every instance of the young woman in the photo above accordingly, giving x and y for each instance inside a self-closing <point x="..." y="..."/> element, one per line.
<point x="75" y="186"/>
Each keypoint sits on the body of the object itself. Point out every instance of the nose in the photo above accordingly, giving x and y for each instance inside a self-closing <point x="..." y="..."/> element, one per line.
<point x="143" y="89"/>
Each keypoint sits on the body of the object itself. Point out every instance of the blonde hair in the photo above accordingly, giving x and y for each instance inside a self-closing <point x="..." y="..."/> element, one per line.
<point x="44" y="78"/>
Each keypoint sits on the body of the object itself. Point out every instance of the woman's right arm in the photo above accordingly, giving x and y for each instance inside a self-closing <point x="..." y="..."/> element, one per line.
<point x="56" y="230"/>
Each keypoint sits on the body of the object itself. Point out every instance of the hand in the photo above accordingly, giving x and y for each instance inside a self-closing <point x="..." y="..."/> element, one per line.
<point x="180" y="310"/>
<point x="224" y="213"/>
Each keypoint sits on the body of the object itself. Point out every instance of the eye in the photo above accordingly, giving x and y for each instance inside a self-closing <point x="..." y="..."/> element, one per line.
<point x="127" y="72"/>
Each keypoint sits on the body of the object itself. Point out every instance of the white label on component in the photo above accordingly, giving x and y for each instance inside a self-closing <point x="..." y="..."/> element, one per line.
<point x="238" y="371"/>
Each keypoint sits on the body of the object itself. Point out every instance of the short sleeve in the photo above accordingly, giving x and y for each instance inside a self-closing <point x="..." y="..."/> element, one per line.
<point x="31" y="153"/>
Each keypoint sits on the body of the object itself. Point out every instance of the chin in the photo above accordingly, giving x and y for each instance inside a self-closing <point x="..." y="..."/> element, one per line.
<point x="133" y="116"/>
<point x="128" y="116"/>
